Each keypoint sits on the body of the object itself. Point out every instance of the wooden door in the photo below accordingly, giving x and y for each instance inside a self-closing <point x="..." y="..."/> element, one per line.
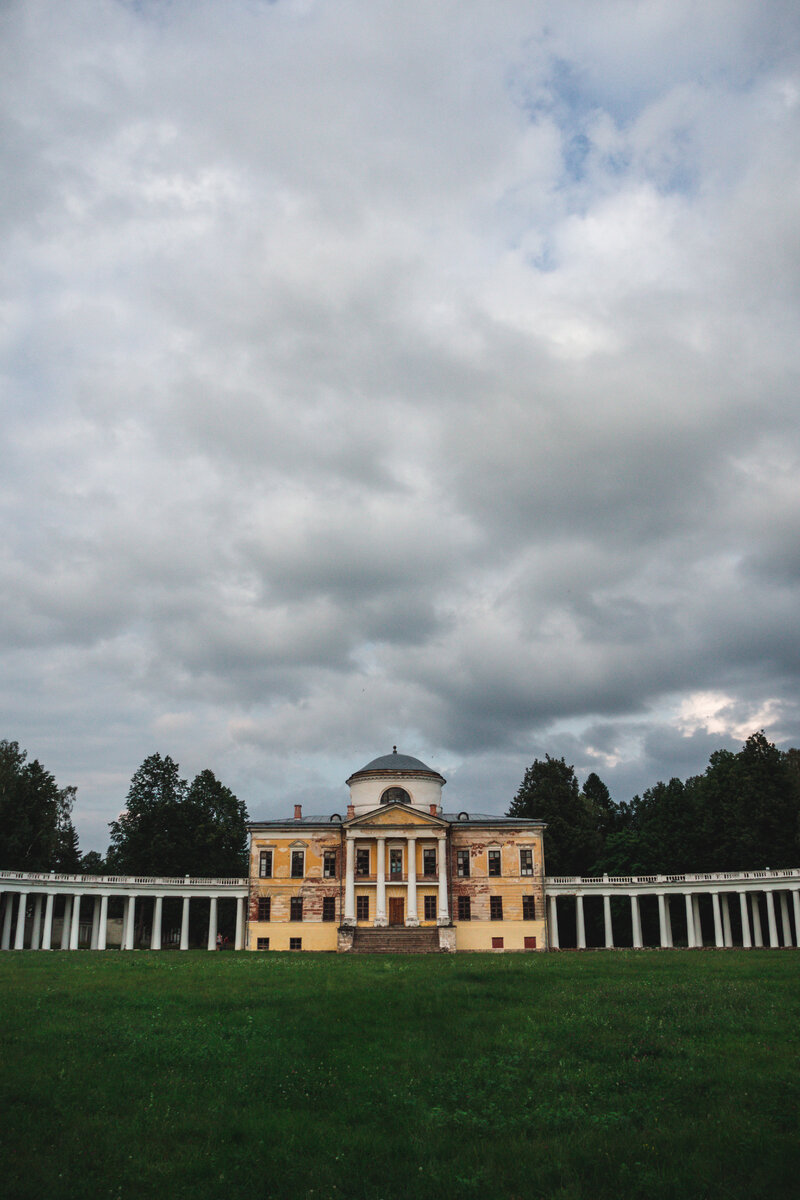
<point x="396" y="915"/>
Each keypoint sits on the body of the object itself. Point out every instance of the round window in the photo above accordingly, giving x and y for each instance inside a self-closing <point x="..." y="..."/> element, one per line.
<point x="395" y="795"/>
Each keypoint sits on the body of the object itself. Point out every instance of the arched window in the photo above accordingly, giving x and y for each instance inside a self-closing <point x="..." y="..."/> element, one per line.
<point x="395" y="795"/>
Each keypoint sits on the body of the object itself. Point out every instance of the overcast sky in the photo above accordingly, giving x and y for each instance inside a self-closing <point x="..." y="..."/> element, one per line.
<point x="397" y="372"/>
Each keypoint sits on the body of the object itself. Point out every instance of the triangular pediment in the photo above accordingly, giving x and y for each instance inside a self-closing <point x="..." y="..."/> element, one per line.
<point x="395" y="815"/>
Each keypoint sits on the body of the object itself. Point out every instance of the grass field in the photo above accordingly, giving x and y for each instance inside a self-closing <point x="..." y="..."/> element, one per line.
<point x="657" y="1074"/>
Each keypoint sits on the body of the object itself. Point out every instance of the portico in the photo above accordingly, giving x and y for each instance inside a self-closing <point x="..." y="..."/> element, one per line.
<point x="392" y="853"/>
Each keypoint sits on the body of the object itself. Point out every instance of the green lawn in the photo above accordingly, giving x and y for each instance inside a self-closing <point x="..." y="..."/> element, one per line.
<point x="653" y="1074"/>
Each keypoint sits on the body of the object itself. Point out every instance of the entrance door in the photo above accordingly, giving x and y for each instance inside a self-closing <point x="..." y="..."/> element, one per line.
<point x="396" y="915"/>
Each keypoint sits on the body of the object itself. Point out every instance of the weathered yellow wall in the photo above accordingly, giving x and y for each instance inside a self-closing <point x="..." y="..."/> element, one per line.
<point x="316" y="935"/>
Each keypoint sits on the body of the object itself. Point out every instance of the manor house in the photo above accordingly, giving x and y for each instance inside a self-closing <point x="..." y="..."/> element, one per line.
<point x="395" y="871"/>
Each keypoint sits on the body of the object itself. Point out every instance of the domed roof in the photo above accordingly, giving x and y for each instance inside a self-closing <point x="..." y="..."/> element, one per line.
<point x="396" y="762"/>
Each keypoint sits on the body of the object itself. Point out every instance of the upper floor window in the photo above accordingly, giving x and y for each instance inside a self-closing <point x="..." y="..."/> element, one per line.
<point x="395" y="862"/>
<point x="265" y="864"/>
<point x="526" y="862"/>
<point x="329" y="864"/>
<point x="395" y="795"/>
<point x="429" y="861"/>
<point x="362" y="862"/>
<point x="494" y="862"/>
<point x="462" y="864"/>
<point x="298" y="864"/>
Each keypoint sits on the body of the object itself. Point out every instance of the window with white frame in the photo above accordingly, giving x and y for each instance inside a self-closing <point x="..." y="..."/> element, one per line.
<point x="526" y="862"/>
<point x="265" y="864"/>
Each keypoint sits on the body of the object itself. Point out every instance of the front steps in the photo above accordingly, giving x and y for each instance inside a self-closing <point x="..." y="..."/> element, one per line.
<point x="396" y="940"/>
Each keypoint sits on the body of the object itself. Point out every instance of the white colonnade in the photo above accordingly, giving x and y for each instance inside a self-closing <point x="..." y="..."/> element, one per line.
<point x="405" y="841"/>
<point x="775" y="894"/>
<point x="28" y="902"/>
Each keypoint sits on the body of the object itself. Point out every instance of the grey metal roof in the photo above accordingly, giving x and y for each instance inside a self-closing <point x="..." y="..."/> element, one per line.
<point x="395" y="762"/>
<point x="455" y="817"/>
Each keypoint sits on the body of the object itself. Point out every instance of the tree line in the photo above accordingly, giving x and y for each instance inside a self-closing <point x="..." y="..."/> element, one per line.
<point x="167" y="827"/>
<point x="742" y="813"/>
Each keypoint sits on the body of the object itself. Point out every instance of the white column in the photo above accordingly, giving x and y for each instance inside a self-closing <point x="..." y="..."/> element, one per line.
<point x="636" y="922"/>
<point x="19" y="937"/>
<point x="65" y="923"/>
<point x="129" y="922"/>
<point x="609" y="931"/>
<point x="75" y="923"/>
<point x="95" y="923"/>
<point x="554" y="923"/>
<point x="412" y="917"/>
<point x="717" y="920"/>
<point x="238" y="937"/>
<point x="773" y="928"/>
<point x="185" y="924"/>
<point x="37" y="922"/>
<point x="350" y="882"/>
<point x="212" y="924"/>
<point x="755" y="907"/>
<point x="580" y="924"/>
<point x="668" y="916"/>
<point x="785" y="927"/>
<point x="443" y="915"/>
<point x="746" y="940"/>
<point x="690" y="938"/>
<point x="47" y="931"/>
<point x="5" y="944"/>
<point x="796" y="906"/>
<point x="698" y="924"/>
<point x="662" y="921"/>
<point x="102" y="924"/>
<point x="155" y="931"/>
<point x="380" y="888"/>
<point x="727" y="935"/>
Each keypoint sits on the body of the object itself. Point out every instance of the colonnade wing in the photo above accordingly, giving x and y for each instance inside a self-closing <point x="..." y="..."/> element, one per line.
<point x="722" y="909"/>
<point x="29" y="902"/>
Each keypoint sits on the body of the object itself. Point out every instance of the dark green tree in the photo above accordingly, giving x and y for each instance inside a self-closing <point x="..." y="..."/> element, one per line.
<point x="608" y="813"/>
<point x="549" y="792"/>
<point x="36" y="833"/>
<point x="92" y="863"/>
<point x="221" y="826"/>
<point x="169" y="828"/>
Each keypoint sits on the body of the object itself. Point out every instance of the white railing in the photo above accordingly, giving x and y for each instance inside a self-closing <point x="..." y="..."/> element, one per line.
<point x="600" y="881"/>
<point x="123" y="880"/>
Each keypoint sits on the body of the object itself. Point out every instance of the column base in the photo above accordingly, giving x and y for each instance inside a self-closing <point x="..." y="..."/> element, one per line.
<point x="381" y="923"/>
<point x="412" y="922"/>
<point x="349" y="923"/>
<point x="447" y="938"/>
<point x="443" y="922"/>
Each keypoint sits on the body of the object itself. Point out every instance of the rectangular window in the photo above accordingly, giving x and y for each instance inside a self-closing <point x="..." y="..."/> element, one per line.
<point x="526" y="862"/>
<point x="262" y="944"/>
<point x="430" y="908"/>
<point x="264" y="908"/>
<point x="462" y="864"/>
<point x="464" y="913"/>
<point x="494" y="862"/>
<point x="298" y="864"/>
<point x="496" y="908"/>
<point x="265" y="864"/>
<point x="362" y="862"/>
<point x="396" y="862"/>
<point x="529" y="908"/>
<point x="429" y="862"/>
<point x="296" y="908"/>
<point x="530" y="943"/>
<point x="295" y="943"/>
<point x="497" y="943"/>
<point x="362" y="908"/>
<point x="329" y="864"/>
<point x="329" y="908"/>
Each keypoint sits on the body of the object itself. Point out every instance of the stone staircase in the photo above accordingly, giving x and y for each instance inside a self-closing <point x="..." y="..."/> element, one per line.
<point x="396" y="940"/>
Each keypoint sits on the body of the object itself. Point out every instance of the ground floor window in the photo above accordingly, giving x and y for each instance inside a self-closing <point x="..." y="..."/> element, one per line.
<point x="296" y="908"/>
<point x="329" y="908"/>
<point x="430" y="908"/>
<point x="264" y="909"/>
<point x="295" y="943"/>
<point x="464" y="913"/>
<point x="262" y="944"/>
<point x="496" y="908"/>
<point x="529" y="908"/>
<point x="362" y="908"/>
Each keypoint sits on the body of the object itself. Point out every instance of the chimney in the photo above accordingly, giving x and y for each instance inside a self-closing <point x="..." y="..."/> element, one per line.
<point x="298" y="812"/>
<point x="351" y="812"/>
<point x="433" y="810"/>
